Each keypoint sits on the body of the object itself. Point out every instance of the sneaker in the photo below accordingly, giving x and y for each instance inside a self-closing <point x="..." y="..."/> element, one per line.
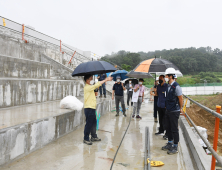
<point x="138" y="116"/>
<point x="165" y="137"/>
<point x="124" y="114"/>
<point x="133" y="116"/>
<point x="95" y="139"/>
<point x="167" y="147"/>
<point x="155" y="120"/>
<point x="104" y="95"/>
<point x="117" y="114"/>
<point x="159" y="133"/>
<point x="87" y="142"/>
<point x="173" y="150"/>
<point x="100" y="96"/>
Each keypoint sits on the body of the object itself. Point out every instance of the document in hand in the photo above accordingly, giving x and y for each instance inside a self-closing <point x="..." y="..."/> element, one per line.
<point x="135" y="96"/>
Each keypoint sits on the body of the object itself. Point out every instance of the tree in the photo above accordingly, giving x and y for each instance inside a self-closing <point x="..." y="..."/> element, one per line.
<point x="126" y="67"/>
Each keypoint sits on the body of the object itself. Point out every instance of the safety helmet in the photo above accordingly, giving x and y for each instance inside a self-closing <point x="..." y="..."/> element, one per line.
<point x="175" y="76"/>
<point x="170" y="71"/>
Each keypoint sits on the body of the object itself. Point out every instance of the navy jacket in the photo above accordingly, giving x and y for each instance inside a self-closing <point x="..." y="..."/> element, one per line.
<point x="172" y="101"/>
<point x="161" y="91"/>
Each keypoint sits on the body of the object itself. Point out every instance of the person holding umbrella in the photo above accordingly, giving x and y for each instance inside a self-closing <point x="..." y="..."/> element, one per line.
<point x="137" y="105"/>
<point x="90" y="108"/>
<point x="174" y="105"/>
<point x="118" y="89"/>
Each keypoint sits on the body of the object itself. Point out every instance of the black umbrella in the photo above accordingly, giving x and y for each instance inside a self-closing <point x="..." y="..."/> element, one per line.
<point x="93" y="67"/>
<point x="139" y="74"/>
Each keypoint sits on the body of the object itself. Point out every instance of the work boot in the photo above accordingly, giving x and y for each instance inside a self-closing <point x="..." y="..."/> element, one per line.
<point x="173" y="150"/>
<point x="138" y="116"/>
<point x="87" y="142"/>
<point x="155" y="120"/>
<point x="133" y="116"/>
<point x="104" y="95"/>
<point x="167" y="147"/>
<point x="124" y="114"/>
<point x="117" y="114"/>
<point x="100" y="96"/>
<point x="95" y="139"/>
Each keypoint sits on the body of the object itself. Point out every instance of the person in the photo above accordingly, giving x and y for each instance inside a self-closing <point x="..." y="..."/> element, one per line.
<point x="90" y="108"/>
<point x="155" y="101"/>
<point x="137" y="105"/>
<point x="118" y="89"/>
<point x="174" y="104"/>
<point x="102" y="77"/>
<point x="129" y="88"/>
<point x="161" y="93"/>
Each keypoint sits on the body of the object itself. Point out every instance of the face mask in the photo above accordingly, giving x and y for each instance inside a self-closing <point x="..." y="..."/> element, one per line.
<point x="118" y="80"/>
<point x="140" y="83"/>
<point x="91" y="82"/>
<point x="166" y="79"/>
<point x="160" y="81"/>
<point x="130" y="81"/>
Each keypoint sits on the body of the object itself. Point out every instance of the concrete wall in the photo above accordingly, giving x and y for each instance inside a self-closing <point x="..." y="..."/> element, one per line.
<point x="202" y="90"/>
<point x="203" y="161"/>
<point x="20" y="140"/>
<point x="22" y="68"/>
<point x="15" y="92"/>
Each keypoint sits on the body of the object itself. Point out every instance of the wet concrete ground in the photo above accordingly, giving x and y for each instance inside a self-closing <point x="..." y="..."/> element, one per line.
<point x="69" y="152"/>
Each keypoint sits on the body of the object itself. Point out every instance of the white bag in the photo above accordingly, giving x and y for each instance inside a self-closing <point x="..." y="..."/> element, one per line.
<point x="71" y="102"/>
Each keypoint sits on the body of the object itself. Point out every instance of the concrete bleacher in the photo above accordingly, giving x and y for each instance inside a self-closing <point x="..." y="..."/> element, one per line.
<point x="34" y="77"/>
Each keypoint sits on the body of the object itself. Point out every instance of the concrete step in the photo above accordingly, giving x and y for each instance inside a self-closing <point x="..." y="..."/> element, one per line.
<point x="70" y="153"/>
<point x="28" y="128"/>
<point x="15" y="92"/>
<point x="23" y="68"/>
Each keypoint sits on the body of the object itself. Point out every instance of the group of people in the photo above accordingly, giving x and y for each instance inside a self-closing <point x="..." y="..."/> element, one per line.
<point x="168" y="101"/>
<point x="118" y="92"/>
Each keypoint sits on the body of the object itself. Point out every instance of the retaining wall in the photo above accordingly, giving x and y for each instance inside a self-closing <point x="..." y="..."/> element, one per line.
<point x="20" y="140"/>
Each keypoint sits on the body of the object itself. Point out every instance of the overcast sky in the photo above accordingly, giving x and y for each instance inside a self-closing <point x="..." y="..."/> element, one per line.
<point x="103" y="26"/>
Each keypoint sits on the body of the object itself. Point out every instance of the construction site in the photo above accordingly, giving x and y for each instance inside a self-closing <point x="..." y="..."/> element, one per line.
<point x="35" y="133"/>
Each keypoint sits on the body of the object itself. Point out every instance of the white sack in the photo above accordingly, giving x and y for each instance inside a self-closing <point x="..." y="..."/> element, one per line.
<point x="71" y="102"/>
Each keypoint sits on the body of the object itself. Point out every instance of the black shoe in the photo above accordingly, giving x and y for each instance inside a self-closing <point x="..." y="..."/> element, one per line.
<point x="87" y="142"/>
<point x="165" y="137"/>
<point x="104" y="95"/>
<point x="167" y="147"/>
<point x="95" y="139"/>
<point x="173" y="150"/>
<point x="117" y="114"/>
<point x="159" y="133"/>
<point x="124" y="114"/>
<point x="100" y="96"/>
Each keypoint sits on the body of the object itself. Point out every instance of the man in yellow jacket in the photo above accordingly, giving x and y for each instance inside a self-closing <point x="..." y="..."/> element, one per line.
<point x="90" y="108"/>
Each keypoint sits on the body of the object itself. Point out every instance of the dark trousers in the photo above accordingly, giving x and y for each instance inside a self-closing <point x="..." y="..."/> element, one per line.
<point x="104" y="89"/>
<point x="117" y="100"/>
<point x="129" y="97"/>
<point x="172" y="126"/>
<point x="155" y="106"/>
<point x="161" y="113"/>
<point x="90" y="126"/>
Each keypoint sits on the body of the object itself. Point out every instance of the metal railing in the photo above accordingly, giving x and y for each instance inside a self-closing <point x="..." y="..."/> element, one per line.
<point x="147" y="150"/>
<point x="213" y="149"/>
<point x="43" y="38"/>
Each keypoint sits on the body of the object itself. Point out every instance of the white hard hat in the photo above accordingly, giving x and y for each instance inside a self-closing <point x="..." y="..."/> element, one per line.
<point x="175" y="76"/>
<point x="170" y="71"/>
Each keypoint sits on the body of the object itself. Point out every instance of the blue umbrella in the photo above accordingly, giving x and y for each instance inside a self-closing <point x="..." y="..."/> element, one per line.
<point x="121" y="73"/>
<point x="93" y="67"/>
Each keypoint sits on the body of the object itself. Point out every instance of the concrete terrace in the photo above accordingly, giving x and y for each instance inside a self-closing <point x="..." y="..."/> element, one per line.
<point x="69" y="152"/>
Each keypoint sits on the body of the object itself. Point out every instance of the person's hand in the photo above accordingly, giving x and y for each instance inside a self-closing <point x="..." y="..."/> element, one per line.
<point x="96" y="93"/>
<point x="138" y="87"/>
<point x="109" y="78"/>
<point x="122" y="84"/>
<point x="105" y="83"/>
<point x="181" y="111"/>
<point x="154" y="89"/>
<point x="142" y="100"/>
<point x="112" y="97"/>
<point x="98" y="77"/>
